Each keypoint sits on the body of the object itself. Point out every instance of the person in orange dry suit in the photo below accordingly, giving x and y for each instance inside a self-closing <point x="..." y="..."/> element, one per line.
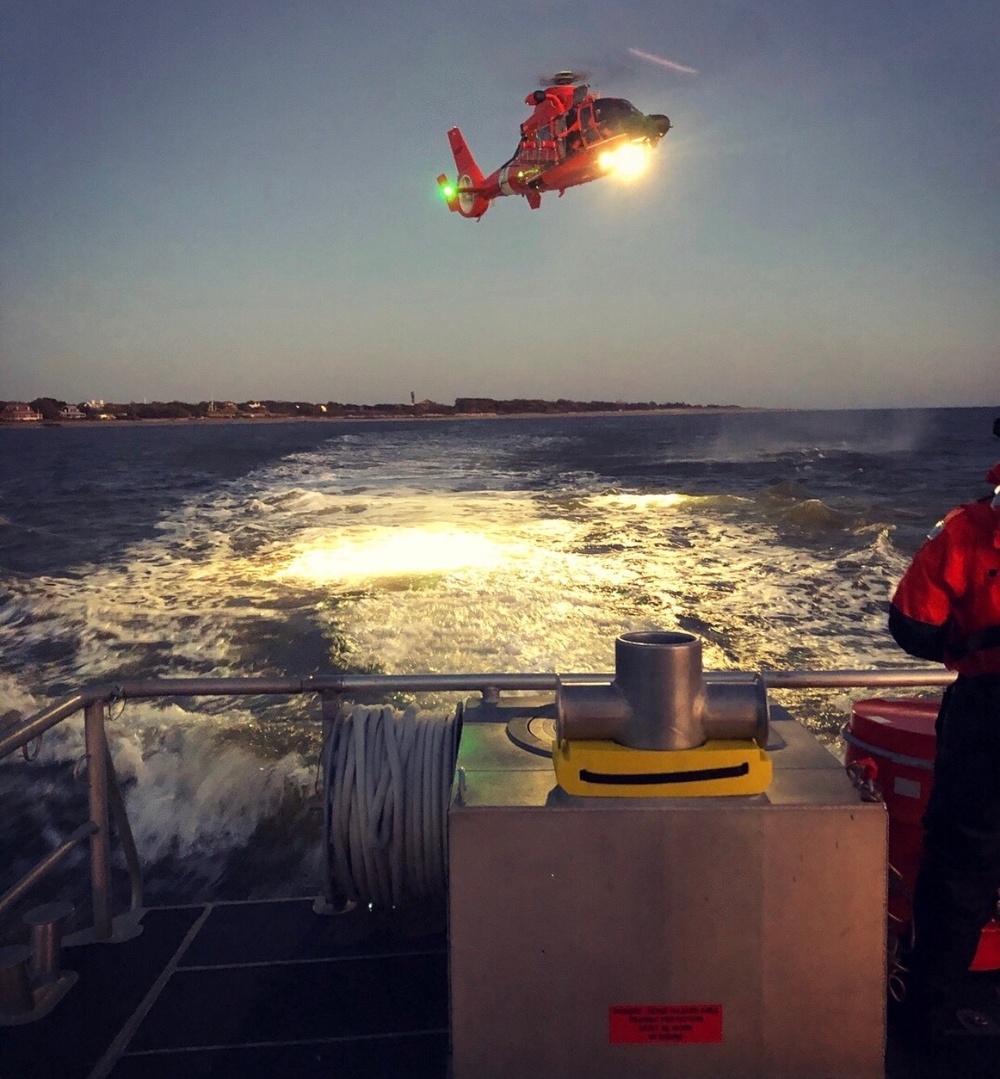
<point x="946" y="608"/>
<point x="549" y="103"/>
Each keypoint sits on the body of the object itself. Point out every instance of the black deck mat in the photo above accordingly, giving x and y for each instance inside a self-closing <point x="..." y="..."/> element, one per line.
<point x="114" y="978"/>
<point x="299" y="1001"/>
<point x="957" y="1057"/>
<point x="961" y="1055"/>
<point x="414" y="1056"/>
<point x="268" y="931"/>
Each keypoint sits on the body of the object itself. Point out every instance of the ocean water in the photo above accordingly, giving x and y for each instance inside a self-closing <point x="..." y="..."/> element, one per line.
<point x="431" y="546"/>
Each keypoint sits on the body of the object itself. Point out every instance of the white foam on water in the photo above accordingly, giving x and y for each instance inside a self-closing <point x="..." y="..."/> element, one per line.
<point x="192" y="792"/>
<point x="565" y="587"/>
<point x="647" y="502"/>
<point x="407" y="577"/>
<point x="438" y="581"/>
<point x="15" y="696"/>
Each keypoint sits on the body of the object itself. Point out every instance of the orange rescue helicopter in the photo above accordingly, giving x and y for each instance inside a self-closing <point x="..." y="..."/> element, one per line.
<point x="571" y="138"/>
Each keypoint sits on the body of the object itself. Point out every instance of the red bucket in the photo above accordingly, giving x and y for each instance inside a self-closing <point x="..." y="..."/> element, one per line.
<point x="898" y="736"/>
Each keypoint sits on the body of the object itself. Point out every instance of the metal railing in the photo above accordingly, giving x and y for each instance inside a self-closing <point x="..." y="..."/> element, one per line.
<point x="106" y="803"/>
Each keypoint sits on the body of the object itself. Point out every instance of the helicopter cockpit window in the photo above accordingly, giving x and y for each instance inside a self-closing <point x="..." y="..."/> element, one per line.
<point x="615" y="114"/>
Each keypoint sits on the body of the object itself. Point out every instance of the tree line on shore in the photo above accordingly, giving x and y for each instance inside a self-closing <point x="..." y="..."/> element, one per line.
<point x="52" y="409"/>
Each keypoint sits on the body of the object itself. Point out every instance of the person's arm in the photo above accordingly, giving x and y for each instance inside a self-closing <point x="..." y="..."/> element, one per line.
<point x="920" y="639"/>
<point x="922" y="603"/>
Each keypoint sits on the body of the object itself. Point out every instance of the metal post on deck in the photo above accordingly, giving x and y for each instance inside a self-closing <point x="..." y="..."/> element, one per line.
<point x="100" y="846"/>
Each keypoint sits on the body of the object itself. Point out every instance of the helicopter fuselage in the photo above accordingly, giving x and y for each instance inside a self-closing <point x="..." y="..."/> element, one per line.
<point x="570" y="139"/>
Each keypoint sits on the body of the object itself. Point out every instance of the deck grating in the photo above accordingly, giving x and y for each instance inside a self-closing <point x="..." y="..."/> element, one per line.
<point x="412" y="1056"/>
<point x="287" y="930"/>
<point x="262" y="989"/>
<point x="268" y="989"/>
<point x="309" y="1001"/>
<point x="67" y="1043"/>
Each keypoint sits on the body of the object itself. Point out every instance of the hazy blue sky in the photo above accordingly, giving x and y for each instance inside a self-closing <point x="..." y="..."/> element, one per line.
<point x="236" y="199"/>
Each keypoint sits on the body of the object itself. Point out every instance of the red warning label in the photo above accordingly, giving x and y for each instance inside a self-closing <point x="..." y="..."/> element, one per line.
<point x="668" y="1024"/>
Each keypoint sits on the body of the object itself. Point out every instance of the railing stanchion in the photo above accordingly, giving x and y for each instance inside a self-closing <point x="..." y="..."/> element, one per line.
<point x="116" y="804"/>
<point x="100" y="846"/>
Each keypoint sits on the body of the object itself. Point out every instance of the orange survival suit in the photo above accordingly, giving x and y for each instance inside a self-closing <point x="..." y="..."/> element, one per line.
<point x="947" y="608"/>
<point x="549" y="103"/>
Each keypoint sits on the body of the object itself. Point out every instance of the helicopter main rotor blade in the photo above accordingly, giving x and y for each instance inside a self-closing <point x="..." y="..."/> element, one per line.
<point x="563" y="78"/>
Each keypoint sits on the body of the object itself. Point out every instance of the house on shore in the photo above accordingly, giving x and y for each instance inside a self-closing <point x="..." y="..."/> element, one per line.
<point x="71" y="412"/>
<point x="19" y="412"/>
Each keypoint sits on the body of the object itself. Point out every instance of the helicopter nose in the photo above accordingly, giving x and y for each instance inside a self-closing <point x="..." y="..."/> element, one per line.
<point x="659" y="125"/>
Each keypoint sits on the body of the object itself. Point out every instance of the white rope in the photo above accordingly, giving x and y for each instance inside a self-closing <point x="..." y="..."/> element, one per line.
<point x="388" y="786"/>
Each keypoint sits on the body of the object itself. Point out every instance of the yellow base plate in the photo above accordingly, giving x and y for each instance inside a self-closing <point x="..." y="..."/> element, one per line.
<point x="608" y="770"/>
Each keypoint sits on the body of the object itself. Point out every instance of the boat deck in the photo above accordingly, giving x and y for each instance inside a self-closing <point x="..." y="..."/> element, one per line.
<point x="268" y="988"/>
<point x="245" y="990"/>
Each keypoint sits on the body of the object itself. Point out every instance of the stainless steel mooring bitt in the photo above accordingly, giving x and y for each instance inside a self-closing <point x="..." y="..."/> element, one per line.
<point x="660" y="699"/>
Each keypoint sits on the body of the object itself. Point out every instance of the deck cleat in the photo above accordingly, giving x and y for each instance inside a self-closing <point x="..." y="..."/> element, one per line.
<point x="659" y="730"/>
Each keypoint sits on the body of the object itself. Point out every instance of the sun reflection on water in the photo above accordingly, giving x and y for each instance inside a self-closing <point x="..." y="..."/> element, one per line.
<point x="397" y="552"/>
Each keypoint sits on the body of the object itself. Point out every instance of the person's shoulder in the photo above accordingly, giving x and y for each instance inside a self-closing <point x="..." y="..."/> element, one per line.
<point x="980" y="510"/>
<point x="975" y="515"/>
<point x="970" y="515"/>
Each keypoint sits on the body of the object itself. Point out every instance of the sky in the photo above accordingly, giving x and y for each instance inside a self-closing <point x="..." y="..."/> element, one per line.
<point x="237" y="199"/>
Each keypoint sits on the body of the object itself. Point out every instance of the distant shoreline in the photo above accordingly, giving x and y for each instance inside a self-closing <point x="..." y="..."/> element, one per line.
<point x="377" y="418"/>
<point x="259" y="421"/>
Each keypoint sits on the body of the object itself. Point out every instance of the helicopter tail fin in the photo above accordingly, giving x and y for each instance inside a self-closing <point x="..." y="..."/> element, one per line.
<point x="468" y="199"/>
<point x="463" y="157"/>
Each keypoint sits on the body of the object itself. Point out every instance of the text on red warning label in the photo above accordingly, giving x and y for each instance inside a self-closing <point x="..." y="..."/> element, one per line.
<point x="668" y="1024"/>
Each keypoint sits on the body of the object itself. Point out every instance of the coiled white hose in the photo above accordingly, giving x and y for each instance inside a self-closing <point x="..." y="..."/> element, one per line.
<point x="387" y="787"/>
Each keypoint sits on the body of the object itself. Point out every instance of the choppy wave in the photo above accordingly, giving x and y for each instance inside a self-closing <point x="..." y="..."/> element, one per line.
<point x="448" y="548"/>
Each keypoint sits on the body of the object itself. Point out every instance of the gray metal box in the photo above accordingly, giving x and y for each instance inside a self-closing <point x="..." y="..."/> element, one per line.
<point x="772" y="908"/>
